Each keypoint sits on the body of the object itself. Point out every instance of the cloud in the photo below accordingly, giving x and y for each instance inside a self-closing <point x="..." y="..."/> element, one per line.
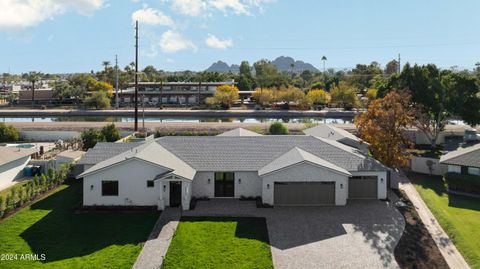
<point x="20" y="14"/>
<point x="225" y="5"/>
<point x="192" y="8"/>
<point x="197" y="8"/>
<point x="171" y="41"/>
<point x="216" y="43"/>
<point x="151" y="16"/>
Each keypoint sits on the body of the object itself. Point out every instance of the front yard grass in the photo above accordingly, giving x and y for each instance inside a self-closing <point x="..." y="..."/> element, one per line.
<point x="214" y="242"/>
<point x="73" y="240"/>
<point x="458" y="215"/>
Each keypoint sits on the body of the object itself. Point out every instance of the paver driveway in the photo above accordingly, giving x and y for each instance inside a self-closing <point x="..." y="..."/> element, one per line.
<point x="362" y="234"/>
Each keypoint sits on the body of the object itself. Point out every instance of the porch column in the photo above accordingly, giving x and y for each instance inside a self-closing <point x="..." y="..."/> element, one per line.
<point x="186" y="194"/>
<point x="161" y="201"/>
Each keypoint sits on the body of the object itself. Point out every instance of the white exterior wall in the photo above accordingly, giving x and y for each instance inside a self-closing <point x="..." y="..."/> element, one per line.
<point x="304" y="172"/>
<point x="381" y="184"/>
<point x="12" y="171"/>
<point x="164" y="192"/>
<point x="132" y="179"/>
<point x="247" y="184"/>
<point x="419" y="165"/>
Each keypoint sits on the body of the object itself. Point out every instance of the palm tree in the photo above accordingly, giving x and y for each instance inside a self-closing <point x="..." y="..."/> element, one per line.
<point x="106" y="65"/>
<point x="33" y="77"/>
<point x="324" y="59"/>
<point x="292" y="66"/>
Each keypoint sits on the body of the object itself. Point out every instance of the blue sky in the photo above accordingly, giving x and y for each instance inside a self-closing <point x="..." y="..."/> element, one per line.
<point x="60" y="36"/>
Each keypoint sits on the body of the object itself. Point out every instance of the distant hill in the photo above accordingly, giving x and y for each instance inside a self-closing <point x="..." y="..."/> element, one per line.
<point x="223" y="67"/>
<point x="283" y="63"/>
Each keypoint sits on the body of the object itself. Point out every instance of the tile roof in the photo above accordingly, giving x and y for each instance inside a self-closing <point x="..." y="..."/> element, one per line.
<point x="224" y="153"/>
<point x="239" y="132"/>
<point x="295" y="156"/>
<point x="105" y="150"/>
<point x="469" y="156"/>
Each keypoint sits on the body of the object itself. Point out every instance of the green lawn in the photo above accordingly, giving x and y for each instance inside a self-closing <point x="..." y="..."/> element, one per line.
<point x="220" y="243"/>
<point x="458" y="215"/>
<point x="73" y="240"/>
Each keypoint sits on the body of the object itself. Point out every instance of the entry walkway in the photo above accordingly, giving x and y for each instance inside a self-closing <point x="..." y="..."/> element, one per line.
<point x="156" y="247"/>
<point x="451" y="254"/>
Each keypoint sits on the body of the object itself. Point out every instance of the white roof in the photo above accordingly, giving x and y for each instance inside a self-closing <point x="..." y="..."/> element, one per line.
<point x="151" y="152"/>
<point x="295" y="156"/>
<point x="239" y="132"/>
<point x="10" y="154"/>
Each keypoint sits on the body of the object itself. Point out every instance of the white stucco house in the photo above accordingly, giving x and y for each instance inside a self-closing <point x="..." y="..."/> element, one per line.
<point x="12" y="164"/>
<point x="464" y="161"/>
<point x="282" y="170"/>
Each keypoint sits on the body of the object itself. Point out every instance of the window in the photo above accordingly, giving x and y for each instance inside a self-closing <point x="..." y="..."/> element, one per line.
<point x="150" y="183"/>
<point x="109" y="188"/>
<point x="454" y="169"/>
<point x="474" y="171"/>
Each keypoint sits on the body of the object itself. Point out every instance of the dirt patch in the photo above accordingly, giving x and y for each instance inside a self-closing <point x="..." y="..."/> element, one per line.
<point x="416" y="248"/>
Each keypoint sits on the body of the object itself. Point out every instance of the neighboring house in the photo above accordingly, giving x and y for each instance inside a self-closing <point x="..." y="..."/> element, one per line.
<point x="239" y="132"/>
<point x="334" y="133"/>
<point x="282" y="170"/>
<point x="464" y="161"/>
<point x="42" y="96"/>
<point x="12" y="164"/>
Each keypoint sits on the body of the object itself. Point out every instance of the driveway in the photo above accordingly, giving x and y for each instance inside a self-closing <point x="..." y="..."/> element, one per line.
<point x="362" y="234"/>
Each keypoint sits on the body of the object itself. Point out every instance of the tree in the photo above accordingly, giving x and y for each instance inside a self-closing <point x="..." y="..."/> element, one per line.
<point x="437" y="95"/>
<point x="98" y="100"/>
<point x="245" y="69"/>
<point x="317" y="97"/>
<point x="264" y="97"/>
<point x="100" y="86"/>
<point x="33" y="77"/>
<point x="265" y="73"/>
<point x="384" y="126"/>
<point x="391" y="68"/>
<point x="8" y="133"/>
<point x="90" y="138"/>
<point x="225" y="96"/>
<point x="344" y="96"/>
<point x="371" y="94"/>
<point x="62" y="90"/>
<point x="277" y="128"/>
<point x="290" y="95"/>
<point x="110" y="133"/>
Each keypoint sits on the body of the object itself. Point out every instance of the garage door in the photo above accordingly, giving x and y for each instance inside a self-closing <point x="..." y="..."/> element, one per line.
<point x="362" y="187"/>
<point x="304" y="193"/>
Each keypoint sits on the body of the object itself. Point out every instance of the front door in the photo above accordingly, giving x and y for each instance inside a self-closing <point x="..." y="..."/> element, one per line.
<point x="175" y="193"/>
<point x="224" y="184"/>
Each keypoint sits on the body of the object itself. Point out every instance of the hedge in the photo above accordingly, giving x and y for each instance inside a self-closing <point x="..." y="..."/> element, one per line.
<point x="21" y="196"/>
<point x="464" y="183"/>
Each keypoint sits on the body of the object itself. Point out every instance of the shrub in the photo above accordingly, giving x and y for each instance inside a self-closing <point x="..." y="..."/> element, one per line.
<point x="110" y="133"/>
<point x="464" y="183"/>
<point x="98" y="100"/>
<point x="90" y="138"/>
<point x="8" y="133"/>
<point x="2" y="206"/>
<point x="278" y="128"/>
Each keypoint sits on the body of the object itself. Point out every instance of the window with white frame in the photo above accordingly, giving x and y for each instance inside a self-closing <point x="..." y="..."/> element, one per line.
<point x="474" y="171"/>
<point x="455" y="169"/>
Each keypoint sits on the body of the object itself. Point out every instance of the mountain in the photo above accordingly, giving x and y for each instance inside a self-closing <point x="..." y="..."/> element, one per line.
<point x="223" y="67"/>
<point x="284" y="64"/>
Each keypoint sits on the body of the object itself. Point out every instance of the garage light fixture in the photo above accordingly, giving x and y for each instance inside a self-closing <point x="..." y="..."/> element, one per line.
<point x="381" y="180"/>
<point x="91" y="187"/>
<point x="209" y="181"/>
<point x="239" y="181"/>
<point x="164" y="188"/>
<point x="341" y="185"/>
<point x="268" y="186"/>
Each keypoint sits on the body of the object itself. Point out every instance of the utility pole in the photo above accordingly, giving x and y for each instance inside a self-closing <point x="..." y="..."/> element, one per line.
<point x="136" y="77"/>
<point x="116" y="81"/>
<point x="399" y="66"/>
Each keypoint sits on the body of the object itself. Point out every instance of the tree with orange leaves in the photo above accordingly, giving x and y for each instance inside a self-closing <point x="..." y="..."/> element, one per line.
<point x="384" y="126"/>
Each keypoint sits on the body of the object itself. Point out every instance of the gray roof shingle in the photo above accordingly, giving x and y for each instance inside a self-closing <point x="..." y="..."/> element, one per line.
<point x="463" y="156"/>
<point x="223" y="153"/>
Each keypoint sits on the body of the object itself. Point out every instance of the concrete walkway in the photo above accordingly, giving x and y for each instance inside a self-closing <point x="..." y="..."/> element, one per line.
<point x="451" y="254"/>
<point x="159" y="240"/>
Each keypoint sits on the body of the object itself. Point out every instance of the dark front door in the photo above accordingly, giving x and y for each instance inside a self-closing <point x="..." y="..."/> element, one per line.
<point x="175" y="193"/>
<point x="224" y="184"/>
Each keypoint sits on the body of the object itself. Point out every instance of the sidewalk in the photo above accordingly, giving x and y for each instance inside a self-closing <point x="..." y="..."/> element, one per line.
<point x="451" y="254"/>
<point x="155" y="249"/>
